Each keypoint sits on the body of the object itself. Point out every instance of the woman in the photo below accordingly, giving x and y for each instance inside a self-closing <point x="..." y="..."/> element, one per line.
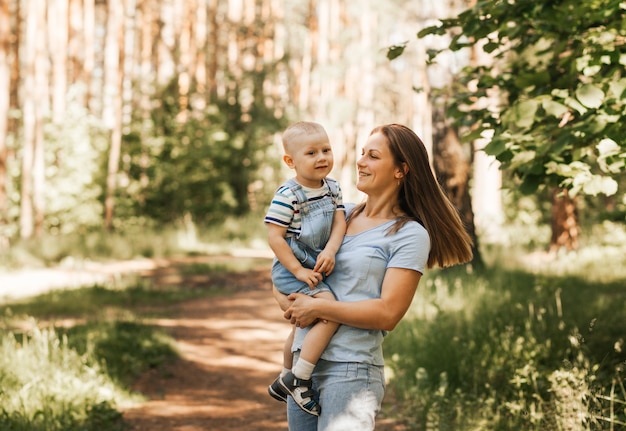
<point x="405" y="224"/>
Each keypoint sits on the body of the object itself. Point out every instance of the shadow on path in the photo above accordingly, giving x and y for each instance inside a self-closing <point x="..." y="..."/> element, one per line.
<point x="230" y="351"/>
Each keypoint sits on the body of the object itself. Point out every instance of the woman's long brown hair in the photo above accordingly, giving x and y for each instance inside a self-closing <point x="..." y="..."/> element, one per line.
<point x="421" y="198"/>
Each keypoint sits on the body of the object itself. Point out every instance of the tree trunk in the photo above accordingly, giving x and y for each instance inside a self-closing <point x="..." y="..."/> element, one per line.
<point x="75" y="46"/>
<point x="114" y="67"/>
<point x="452" y="166"/>
<point x="5" y="85"/>
<point x="564" y="221"/>
<point x="213" y="48"/>
<point x="13" y="123"/>
<point x="186" y="57"/>
<point x="35" y="103"/>
<point x="201" y="36"/>
<point x="89" y="13"/>
<point x="58" y="42"/>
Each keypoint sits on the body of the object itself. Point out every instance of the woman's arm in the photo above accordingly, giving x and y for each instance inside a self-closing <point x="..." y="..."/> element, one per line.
<point x="398" y="290"/>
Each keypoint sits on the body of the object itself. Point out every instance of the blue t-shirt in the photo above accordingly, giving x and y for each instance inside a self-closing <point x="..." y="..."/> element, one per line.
<point x="360" y="266"/>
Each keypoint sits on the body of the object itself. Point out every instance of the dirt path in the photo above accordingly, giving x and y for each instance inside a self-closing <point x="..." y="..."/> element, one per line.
<point x="230" y="350"/>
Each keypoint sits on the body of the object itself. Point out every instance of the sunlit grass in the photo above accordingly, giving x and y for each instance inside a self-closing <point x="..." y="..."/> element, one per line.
<point x="102" y="301"/>
<point x="600" y="257"/>
<point x="139" y="240"/>
<point x="535" y="349"/>
<point x="48" y="386"/>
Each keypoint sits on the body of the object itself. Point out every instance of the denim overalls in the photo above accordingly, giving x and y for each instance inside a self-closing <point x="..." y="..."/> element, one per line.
<point x="317" y="220"/>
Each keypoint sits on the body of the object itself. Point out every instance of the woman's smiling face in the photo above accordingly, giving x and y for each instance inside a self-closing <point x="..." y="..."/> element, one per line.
<point x="376" y="168"/>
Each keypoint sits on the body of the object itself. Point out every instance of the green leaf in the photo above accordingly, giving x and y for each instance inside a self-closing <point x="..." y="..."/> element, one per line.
<point x="396" y="51"/>
<point x="590" y="96"/>
<point x="553" y="108"/>
<point x="530" y="184"/>
<point x="524" y="80"/>
<point x="618" y="88"/>
<point x="608" y="147"/>
<point x="491" y="47"/>
<point x="433" y="29"/>
<point x="523" y="158"/>
<point x="596" y="184"/>
<point x="495" y="147"/>
<point x="473" y="135"/>
<point x="524" y="113"/>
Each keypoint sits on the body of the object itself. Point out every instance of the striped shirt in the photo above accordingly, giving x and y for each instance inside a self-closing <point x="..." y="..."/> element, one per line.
<point x="284" y="209"/>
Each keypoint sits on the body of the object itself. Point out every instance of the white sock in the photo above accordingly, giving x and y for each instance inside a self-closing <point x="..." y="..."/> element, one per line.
<point x="284" y="372"/>
<point x="303" y="369"/>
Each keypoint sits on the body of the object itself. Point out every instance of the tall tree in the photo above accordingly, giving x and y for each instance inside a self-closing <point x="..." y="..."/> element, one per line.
<point x="114" y="78"/>
<point x="35" y="105"/>
<point x="58" y="44"/>
<point x="89" y="29"/>
<point x="5" y="82"/>
<point x="561" y="75"/>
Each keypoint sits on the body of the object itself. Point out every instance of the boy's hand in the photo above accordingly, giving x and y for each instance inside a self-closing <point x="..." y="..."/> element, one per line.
<point x="308" y="276"/>
<point x="325" y="262"/>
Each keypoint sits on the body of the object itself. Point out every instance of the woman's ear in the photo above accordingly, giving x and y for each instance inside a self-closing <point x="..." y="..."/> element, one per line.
<point x="402" y="171"/>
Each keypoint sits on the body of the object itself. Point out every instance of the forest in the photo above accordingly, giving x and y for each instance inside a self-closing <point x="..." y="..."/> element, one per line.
<point x="152" y="129"/>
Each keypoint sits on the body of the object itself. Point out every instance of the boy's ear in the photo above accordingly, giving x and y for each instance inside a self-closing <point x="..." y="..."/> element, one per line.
<point x="288" y="160"/>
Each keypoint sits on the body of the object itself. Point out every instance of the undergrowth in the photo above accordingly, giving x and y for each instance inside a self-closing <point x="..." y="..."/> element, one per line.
<point x="508" y="349"/>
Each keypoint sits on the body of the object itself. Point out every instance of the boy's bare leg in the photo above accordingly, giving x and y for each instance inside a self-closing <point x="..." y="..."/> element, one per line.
<point x="318" y="336"/>
<point x="287" y="353"/>
<point x="298" y="382"/>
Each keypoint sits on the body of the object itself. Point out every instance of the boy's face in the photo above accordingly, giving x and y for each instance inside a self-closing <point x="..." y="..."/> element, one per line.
<point x="312" y="158"/>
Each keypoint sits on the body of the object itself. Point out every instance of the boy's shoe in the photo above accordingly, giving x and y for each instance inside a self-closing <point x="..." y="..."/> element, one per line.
<point x="301" y="392"/>
<point x="276" y="391"/>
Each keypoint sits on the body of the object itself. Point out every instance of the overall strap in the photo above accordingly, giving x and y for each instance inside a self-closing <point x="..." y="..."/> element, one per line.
<point x="333" y="186"/>
<point x="296" y="189"/>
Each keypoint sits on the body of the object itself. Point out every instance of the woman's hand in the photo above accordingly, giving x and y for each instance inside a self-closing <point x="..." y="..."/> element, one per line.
<point x="301" y="311"/>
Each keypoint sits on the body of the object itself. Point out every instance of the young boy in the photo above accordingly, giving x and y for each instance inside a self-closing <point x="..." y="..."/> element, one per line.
<point x="306" y="224"/>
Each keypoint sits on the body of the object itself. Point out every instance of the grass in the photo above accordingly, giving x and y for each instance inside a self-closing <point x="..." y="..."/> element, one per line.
<point x="48" y="386"/>
<point x="69" y="357"/>
<point x="511" y="349"/>
<point x="137" y="240"/>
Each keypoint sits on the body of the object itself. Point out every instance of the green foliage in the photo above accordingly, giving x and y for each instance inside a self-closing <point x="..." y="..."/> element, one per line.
<point x="74" y="175"/>
<point x="200" y="163"/>
<point x="508" y="350"/>
<point x="559" y="72"/>
<point x="73" y="152"/>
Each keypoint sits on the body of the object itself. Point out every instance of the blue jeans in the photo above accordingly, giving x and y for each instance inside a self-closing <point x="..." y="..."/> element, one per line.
<point x="351" y="394"/>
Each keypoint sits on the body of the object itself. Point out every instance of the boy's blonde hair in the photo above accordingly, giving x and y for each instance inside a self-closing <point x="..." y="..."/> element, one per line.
<point x="292" y="134"/>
